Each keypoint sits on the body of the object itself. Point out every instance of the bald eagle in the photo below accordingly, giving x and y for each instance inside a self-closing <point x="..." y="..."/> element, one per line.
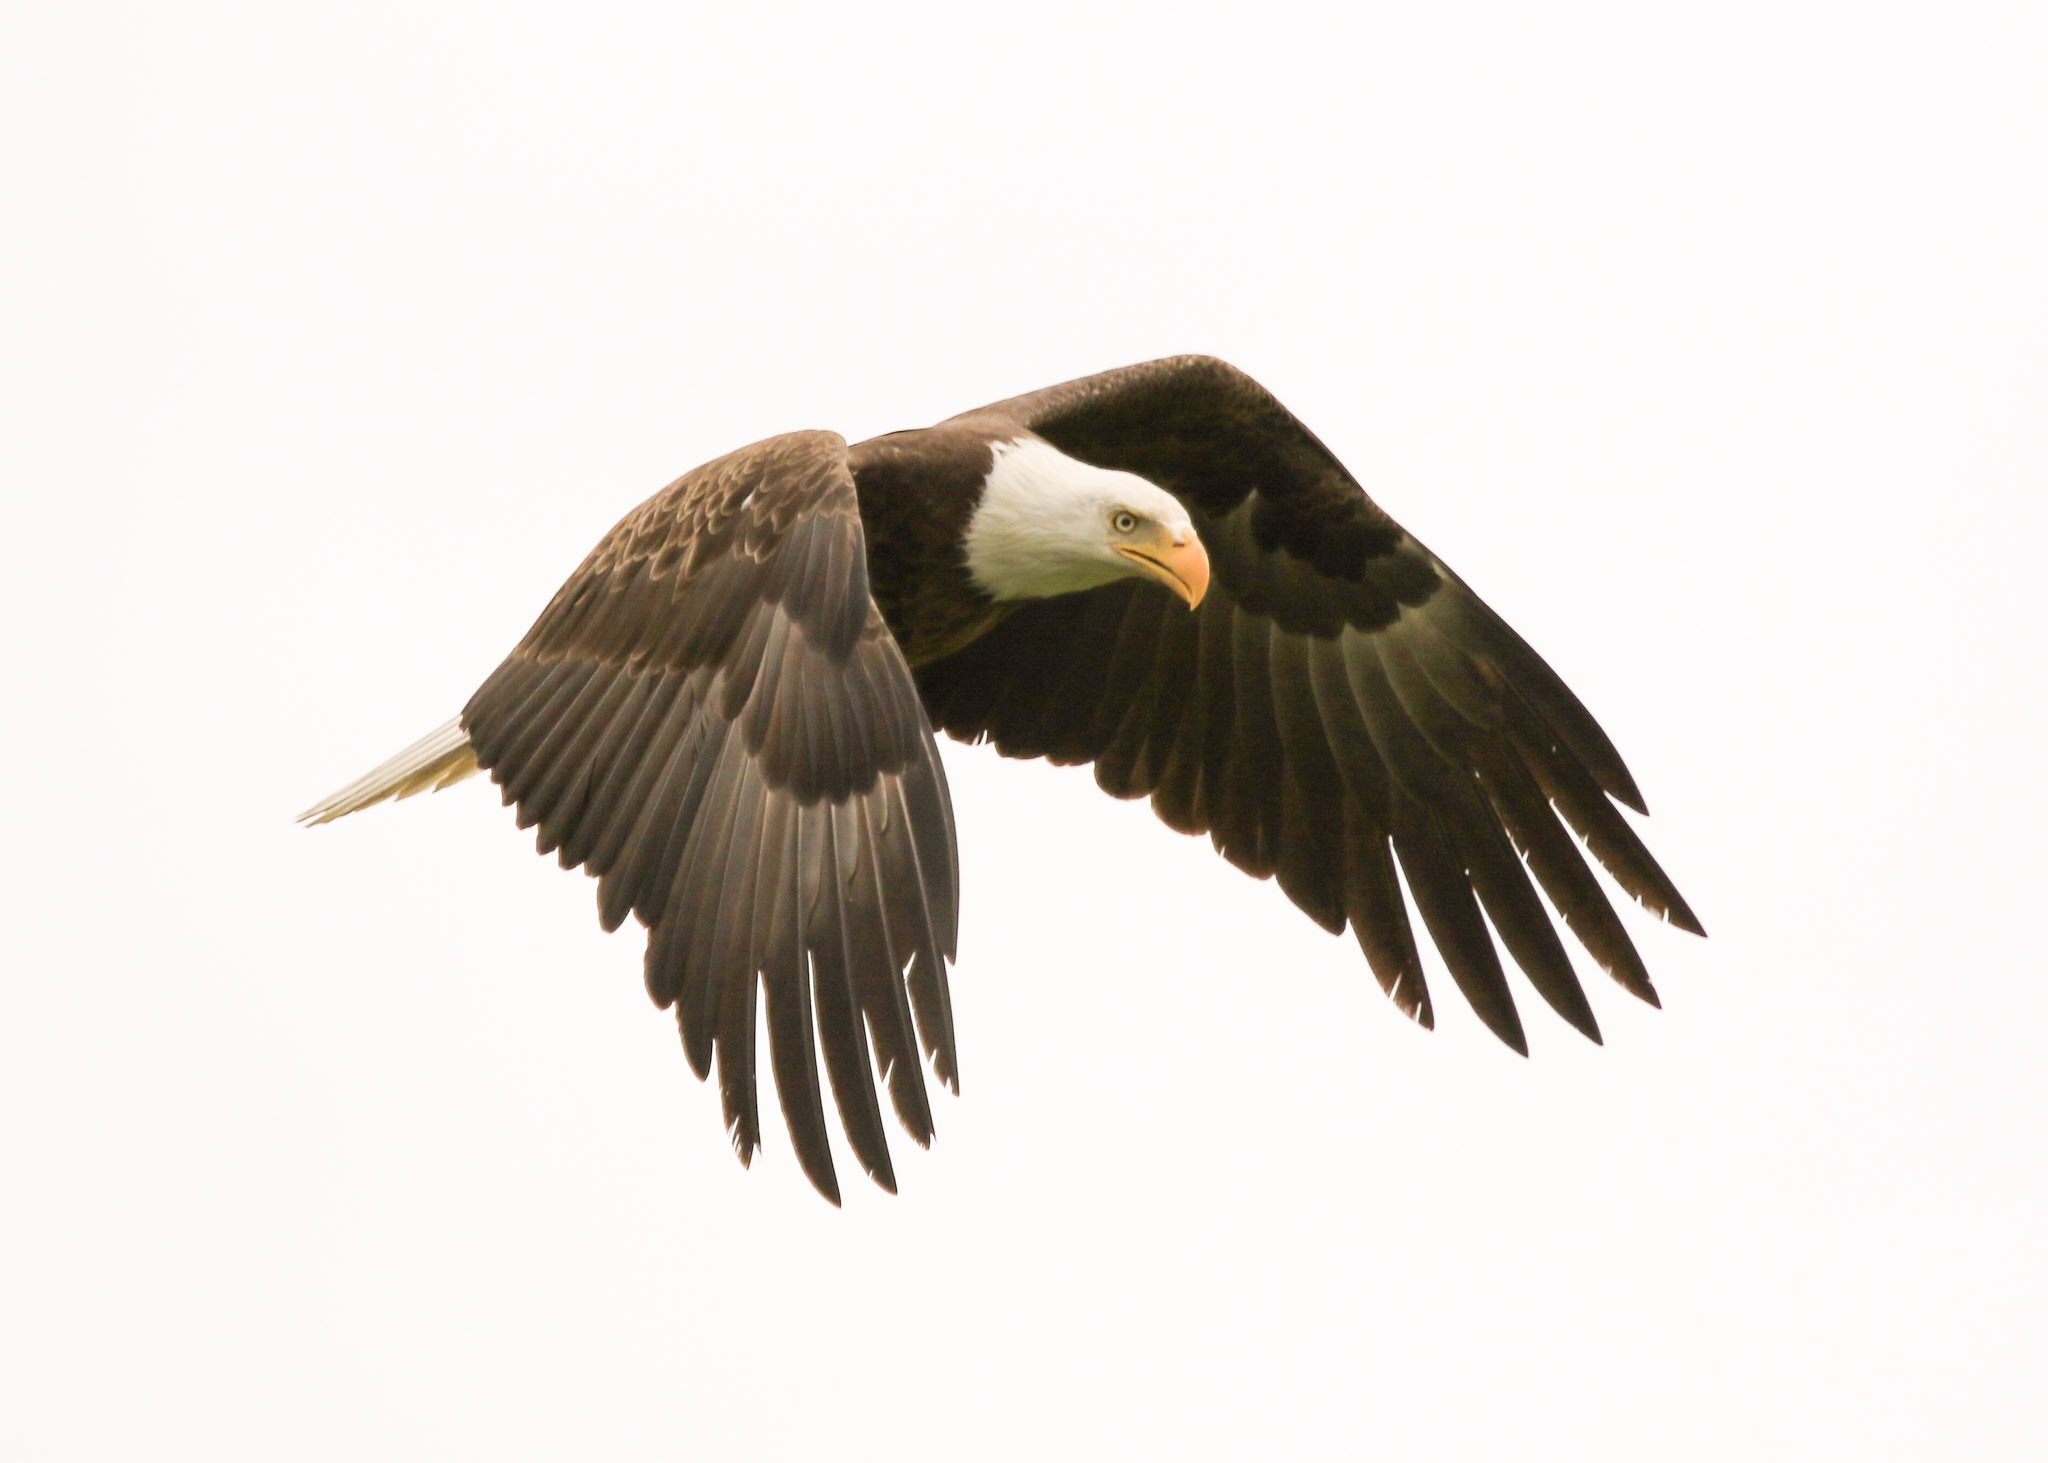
<point x="727" y="716"/>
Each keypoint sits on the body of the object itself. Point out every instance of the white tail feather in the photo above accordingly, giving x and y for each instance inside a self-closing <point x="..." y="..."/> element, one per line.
<point x="441" y="757"/>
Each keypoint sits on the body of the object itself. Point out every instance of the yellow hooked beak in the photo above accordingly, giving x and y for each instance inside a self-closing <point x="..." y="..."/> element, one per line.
<point x="1176" y="559"/>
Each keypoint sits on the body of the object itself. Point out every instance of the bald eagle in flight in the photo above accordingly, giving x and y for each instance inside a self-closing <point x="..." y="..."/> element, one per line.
<point x="727" y="714"/>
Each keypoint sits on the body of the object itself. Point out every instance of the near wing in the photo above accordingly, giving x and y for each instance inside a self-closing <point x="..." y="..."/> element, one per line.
<point x="1341" y="703"/>
<point x="712" y="718"/>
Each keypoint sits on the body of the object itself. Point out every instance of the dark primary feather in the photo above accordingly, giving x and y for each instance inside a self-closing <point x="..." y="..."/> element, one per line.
<point x="713" y="719"/>
<point x="1339" y="706"/>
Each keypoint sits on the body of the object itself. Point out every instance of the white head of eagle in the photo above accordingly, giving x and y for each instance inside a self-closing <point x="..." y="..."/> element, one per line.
<point x="1051" y="524"/>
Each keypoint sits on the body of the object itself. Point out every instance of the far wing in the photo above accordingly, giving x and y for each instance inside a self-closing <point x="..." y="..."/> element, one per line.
<point x="1340" y="705"/>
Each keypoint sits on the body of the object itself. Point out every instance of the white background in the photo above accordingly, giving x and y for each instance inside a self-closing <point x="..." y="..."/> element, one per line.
<point x="1709" y="343"/>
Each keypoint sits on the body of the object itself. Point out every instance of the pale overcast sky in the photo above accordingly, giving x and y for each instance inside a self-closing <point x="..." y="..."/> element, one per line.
<point x="1708" y="343"/>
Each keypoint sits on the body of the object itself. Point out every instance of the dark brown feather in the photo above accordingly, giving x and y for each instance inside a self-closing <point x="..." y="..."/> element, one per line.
<point x="1443" y="895"/>
<point x="1379" y="920"/>
<point x="841" y="1028"/>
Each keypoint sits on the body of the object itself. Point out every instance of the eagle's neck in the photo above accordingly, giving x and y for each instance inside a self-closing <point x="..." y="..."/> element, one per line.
<point x="918" y="492"/>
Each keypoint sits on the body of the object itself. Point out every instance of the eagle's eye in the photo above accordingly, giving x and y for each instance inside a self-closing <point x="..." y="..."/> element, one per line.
<point x="1123" y="520"/>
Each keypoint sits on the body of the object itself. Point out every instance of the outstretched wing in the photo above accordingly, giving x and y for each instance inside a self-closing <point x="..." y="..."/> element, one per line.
<point x="712" y="718"/>
<point x="1339" y="705"/>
